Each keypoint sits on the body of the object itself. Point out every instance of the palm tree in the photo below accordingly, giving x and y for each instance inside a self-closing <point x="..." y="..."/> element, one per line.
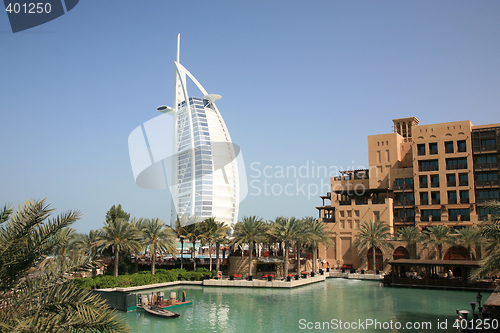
<point x="193" y="234"/>
<point x="157" y="236"/>
<point x="85" y="243"/>
<point x="118" y="235"/>
<point x="44" y="302"/>
<point x="138" y="224"/>
<point x="251" y="230"/>
<point x="491" y="232"/>
<point x="373" y="235"/>
<point x="284" y="229"/>
<point x="471" y="238"/>
<point x="212" y="232"/>
<point x="220" y="231"/>
<point x="438" y="236"/>
<point x="301" y="236"/>
<point x="318" y="235"/>
<point x="180" y="231"/>
<point x="411" y="236"/>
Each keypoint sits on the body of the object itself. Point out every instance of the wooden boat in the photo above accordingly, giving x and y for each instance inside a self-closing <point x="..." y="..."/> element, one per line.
<point x="159" y="311"/>
<point x="178" y="303"/>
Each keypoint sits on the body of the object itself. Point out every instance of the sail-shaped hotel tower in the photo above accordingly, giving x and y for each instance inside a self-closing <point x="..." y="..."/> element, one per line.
<point x="203" y="171"/>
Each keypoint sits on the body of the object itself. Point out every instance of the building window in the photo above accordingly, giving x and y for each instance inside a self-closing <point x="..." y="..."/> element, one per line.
<point x="484" y="212"/>
<point x="463" y="179"/>
<point x="452" y="197"/>
<point x="487" y="179"/>
<point x="448" y="147"/>
<point x="451" y="180"/>
<point x="463" y="213"/>
<point x="461" y="146"/>
<point x="423" y="182"/>
<point x="487" y="195"/>
<point x="488" y="144"/>
<point x="424" y="198"/>
<point x="433" y="148"/>
<point x="436" y="198"/>
<point x="429" y="165"/>
<point x="434" y="180"/>
<point x="486" y="162"/>
<point x="464" y="197"/>
<point x="430" y="215"/>
<point x="421" y="149"/>
<point x="456" y="163"/>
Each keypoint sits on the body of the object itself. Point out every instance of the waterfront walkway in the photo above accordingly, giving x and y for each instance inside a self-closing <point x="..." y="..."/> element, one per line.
<point x="256" y="283"/>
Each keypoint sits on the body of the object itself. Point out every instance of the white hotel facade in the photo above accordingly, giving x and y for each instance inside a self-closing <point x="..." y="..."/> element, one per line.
<point x="203" y="174"/>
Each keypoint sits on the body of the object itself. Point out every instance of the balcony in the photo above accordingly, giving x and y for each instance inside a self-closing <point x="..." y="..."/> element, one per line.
<point x="483" y="200"/>
<point x="464" y="200"/>
<point x="436" y="201"/>
<point x="328" y="220"/>
<point x="451" y="183"/>
<point x="486" y="166"/>
<point x="453" y="218"/>
<point x="404" y="219"/>
<point x="361" y="201"/>
<point x="403" y="187"/>
<point x="452" y="201"/>
<point x="464" y="217"/>
<point x="487" y="183"/>
<point x="456" y="166"/>
<point x="424" y="185"/>
<point x="424" y="168"/>
<point x="433" y="218"/>
<point x="404" y="203"/>
<point x="484" y="217"/>
<point x="424" y="201"/>
<point x="378" y="201"/>
<point x="434" y="184"/>
<point x="463" y="183"/>
<point x="345" y="203"/>
<point x="488" y="147"/>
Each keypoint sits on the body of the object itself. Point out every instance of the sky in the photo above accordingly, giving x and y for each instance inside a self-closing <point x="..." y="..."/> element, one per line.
<point x="303" y="84"/>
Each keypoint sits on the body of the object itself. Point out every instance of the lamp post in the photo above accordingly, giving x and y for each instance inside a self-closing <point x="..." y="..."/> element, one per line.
<point x="478" y="299"/>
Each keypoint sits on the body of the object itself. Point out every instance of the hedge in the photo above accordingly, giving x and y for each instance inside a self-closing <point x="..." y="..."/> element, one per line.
<point x="140" y="278"/>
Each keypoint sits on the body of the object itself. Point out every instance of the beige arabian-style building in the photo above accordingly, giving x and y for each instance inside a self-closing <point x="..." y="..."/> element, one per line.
<point x="419" y="175"/>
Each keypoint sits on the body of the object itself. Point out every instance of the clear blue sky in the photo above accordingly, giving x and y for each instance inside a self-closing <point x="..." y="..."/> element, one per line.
<point x="303" y="83"/>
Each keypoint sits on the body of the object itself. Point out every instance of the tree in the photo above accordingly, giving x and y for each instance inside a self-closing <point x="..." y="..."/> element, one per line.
<point x="180" y="231"/>
<point x="138" y="224"/>
<point x="85" y="243"/>
<point x="212" y="232"/>
<point x="438" y="235"/>
<point x="471" y="238"/>
<point x="193" y="234"/>
<point x="411" y="236"/>
<point x="301" y="236"/>
<point x="115" y="213"/>
<point x="250" y="230"/>
<point x="157" y="236"/>
<point x="118" y="235"/>
<point x="318" y="235"/>
<point x="491" y="232"/>
<point x="220" y="232"/>
<point x="373" y="235"/>
<point x="44" y="302"/>
<point x="284" y="229"/>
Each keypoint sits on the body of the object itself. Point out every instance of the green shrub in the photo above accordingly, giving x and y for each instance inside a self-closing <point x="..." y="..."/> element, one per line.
<point x="139" y="279"/>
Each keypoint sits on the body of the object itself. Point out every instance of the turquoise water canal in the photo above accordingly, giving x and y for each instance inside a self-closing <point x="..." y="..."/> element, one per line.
<point x="339" y="305"/>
